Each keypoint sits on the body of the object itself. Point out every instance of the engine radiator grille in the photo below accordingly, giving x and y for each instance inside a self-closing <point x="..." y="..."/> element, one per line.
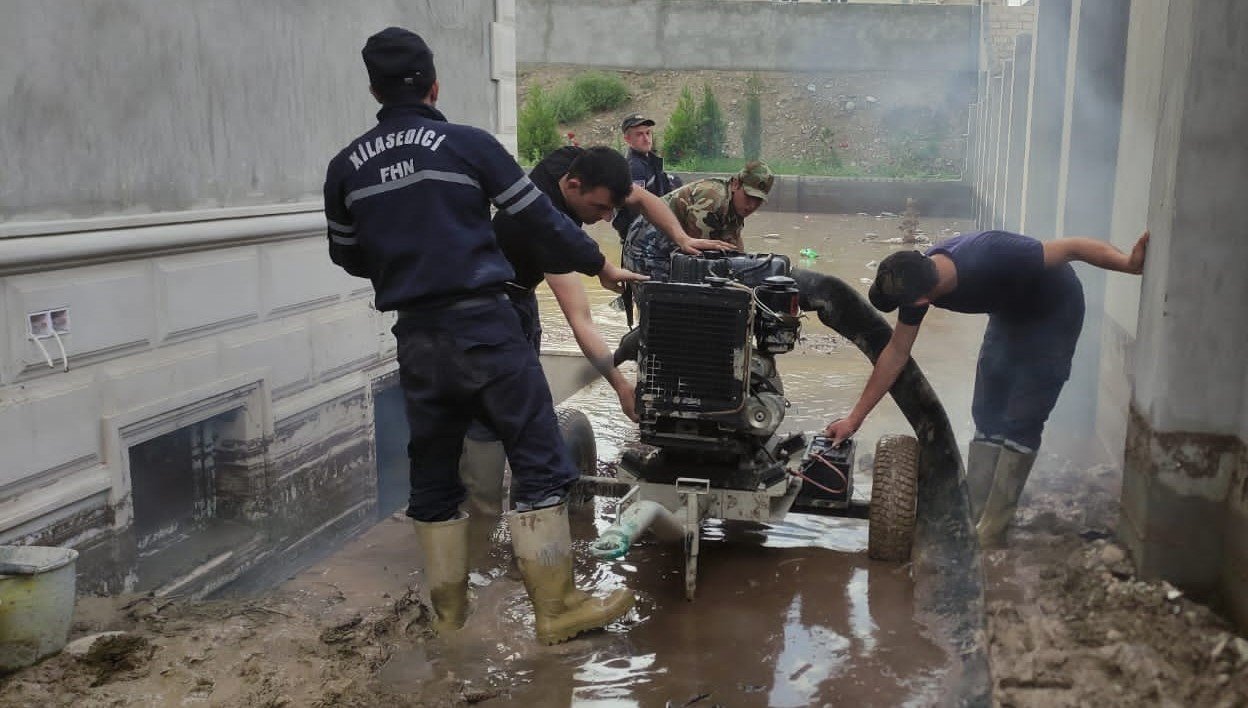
<point x="695" y="346"/>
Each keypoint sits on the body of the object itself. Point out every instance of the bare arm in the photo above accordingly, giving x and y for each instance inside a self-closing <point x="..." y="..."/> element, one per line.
<point x="657" y="213"/>
<point x="1095" y="252"/>
<point x="570" y="294"/>
<point x="887" y="368"/>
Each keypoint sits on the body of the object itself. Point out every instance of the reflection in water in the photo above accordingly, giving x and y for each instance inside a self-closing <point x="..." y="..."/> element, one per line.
<point x="603" y="679"/>
<point x="811" y="655"/>
<point x="787" y="614"/>
<point x="860" y="622"/>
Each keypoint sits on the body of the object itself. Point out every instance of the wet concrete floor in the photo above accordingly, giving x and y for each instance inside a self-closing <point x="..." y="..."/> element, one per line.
<point x="792" y="614"/>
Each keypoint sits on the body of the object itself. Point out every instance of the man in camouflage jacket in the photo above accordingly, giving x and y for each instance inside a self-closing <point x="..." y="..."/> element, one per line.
<point x="712" y="208"/>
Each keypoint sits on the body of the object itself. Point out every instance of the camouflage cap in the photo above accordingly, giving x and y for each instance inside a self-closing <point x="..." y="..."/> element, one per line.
<point x="756" y="178"/>
<point x="901" y="279"/>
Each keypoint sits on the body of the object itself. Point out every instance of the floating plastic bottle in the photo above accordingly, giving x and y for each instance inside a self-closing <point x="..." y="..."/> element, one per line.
<point x="808" y="253"/>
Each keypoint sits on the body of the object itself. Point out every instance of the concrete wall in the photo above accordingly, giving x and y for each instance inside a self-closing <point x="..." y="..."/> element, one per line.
<point x="1141" y="109"/>
<point x="1045" y="125"/>
<point x="1185" y="514"/>
<point x="718" y="34"/>
<point x="165" y="169"/>
<point x="165" y="106"/>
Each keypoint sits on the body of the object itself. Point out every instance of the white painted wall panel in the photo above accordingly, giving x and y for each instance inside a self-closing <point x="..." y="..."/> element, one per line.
<point x="284" y="351"/>
<point x="343" y="339"/>
<point x="299" y="274"/>
<point x="137" y="381"/>
<point x="50" y="430"/>
<point x="206" y="290"/>
<point x="110" y="308"/>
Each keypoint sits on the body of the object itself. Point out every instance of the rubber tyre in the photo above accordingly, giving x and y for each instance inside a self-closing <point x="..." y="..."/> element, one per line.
<point x="894" y="496"/>
<point x="578" y="435"/>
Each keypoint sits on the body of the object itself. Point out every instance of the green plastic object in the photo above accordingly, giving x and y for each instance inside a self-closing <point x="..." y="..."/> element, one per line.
<point x="808" y="253"/>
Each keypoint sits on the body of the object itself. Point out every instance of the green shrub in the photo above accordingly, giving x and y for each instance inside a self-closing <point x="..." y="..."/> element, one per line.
<point x="568" y="105"/>
<point x="752" y="133"/>
<point x="600" y="91"/>
<point x="537" y="128"/>
<point x="680" y="139"/>
<point x="712" y="126"/>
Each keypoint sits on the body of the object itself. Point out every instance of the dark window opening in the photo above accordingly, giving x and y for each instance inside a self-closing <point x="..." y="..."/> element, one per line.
<point x="183" y="487"/>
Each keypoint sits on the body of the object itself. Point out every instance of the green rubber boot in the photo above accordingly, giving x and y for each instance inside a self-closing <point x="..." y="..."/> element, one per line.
<point x="981" y="467"/>
<point x="481" y="470"/>
<point x="1007" y="486"/>
<point x="444" y="547"/>
<point x="543" y="546"/>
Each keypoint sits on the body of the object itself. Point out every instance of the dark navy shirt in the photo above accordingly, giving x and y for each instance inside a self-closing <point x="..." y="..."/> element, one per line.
<point x="999" y="273"/>
<point x="408" y="206"/>
<point x="526" y="252"/>
<point x="647" y="172"/>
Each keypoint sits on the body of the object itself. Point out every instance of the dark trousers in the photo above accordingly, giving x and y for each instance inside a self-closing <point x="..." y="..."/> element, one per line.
<point x="525" y="303"/>
<point x="1022" y="367"/>
<point x="457" y="365"/>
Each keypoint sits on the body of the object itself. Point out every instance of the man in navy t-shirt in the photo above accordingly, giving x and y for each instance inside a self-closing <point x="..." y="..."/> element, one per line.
<point x="1035" y="307"/>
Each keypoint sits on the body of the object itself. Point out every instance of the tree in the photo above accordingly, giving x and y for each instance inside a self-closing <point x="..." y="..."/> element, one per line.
<point x="752" y="133"/>
<point x="538" y="131"/>
<point x="680" y="139"/>
<point x="712" y="126"/>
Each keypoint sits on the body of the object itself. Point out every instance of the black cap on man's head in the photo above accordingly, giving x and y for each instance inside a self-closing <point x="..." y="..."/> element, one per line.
<point x="901" y="279"/>
<point x="396" y="57"/>
<point x="634" y="120"/>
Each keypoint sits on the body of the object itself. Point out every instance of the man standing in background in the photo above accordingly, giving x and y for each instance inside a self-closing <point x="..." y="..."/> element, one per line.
<point x="645" y="165"/>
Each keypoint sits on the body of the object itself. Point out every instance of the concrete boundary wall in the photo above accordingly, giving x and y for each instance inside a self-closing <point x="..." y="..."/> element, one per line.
<point x="717" y="34"/>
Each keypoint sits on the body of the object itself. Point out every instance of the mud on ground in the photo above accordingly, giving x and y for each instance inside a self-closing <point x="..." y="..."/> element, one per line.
<point x="314" y="643"/>
<point x="1070" y="624"/>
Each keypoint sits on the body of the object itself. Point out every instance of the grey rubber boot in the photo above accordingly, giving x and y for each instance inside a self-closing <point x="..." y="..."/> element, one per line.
<point x="481" y="470"/>
<point x="981" y="466"/>
<point x="444" y="547"/>
<point x="1013" y="467"/>
<point x="543" y="545"/>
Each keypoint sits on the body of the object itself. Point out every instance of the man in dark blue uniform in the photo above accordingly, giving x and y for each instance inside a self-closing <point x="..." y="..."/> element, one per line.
<point x="645" y="165"/>
<point x="408" y="207"/>
<point x="1035" y="307"/>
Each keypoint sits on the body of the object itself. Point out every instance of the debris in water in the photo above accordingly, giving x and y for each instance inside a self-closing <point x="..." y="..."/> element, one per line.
<point x="808" y="253"/>
<point x="872" y="265"/>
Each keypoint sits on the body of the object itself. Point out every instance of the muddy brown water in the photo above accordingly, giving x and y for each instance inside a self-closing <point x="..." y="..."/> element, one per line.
<point x="791" y="614"/>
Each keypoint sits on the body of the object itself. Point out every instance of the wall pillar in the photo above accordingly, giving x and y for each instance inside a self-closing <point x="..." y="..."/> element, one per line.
<point x="1042" y="152"/>
<point x="1185" y="485"/>
<point x="1020" y="98"/>
<point x="1093" y="114"/>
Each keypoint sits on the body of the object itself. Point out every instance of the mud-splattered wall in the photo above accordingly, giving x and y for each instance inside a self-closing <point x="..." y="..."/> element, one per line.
<point x="197" y="398"/>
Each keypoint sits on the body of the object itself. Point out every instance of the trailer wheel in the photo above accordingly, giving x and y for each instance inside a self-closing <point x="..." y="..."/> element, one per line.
<point x="578" y="435"/>
<point x="894" y="494"/>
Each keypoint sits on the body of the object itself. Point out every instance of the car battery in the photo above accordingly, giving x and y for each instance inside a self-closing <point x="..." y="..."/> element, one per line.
<point x="827" y="472"/>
